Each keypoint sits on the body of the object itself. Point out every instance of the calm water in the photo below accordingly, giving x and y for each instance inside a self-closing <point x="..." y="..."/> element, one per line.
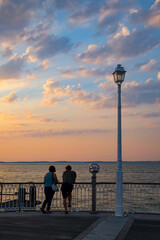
<point x="132" y="172"/>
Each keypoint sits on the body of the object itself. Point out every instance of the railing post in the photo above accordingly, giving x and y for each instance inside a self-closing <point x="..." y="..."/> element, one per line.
<point x="94" y="192"/>
<point x="1" y="194"/>
<point x="19" y="198"/>
<point x="94" y="168"/>
<point x="32" y="195"/>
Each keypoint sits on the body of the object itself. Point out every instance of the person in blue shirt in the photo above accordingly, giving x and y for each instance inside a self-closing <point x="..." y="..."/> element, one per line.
<point x="49" y="179"/>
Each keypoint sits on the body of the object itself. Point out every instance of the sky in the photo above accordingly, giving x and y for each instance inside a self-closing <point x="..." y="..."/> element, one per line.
<point x="58" y="99"/>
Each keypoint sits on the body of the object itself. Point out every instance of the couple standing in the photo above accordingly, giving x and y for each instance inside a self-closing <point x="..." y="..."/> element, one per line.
<point x="69" y="178"/>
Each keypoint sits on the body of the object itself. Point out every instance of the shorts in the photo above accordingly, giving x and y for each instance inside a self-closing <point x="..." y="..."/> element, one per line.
<point x="66" y="189"/>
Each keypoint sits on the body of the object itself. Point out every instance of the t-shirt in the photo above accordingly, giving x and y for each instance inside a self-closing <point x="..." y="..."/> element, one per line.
<point x="69" y="177"/>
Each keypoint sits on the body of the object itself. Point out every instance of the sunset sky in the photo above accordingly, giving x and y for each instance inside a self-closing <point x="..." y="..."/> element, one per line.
<point x="58" y="99"/>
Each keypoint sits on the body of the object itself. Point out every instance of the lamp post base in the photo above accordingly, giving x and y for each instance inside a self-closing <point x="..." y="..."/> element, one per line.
<point x="119" y="194"/>
<point x="119" y="212"/>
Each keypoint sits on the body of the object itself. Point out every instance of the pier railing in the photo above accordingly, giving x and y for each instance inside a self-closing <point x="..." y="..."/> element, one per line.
<point x="137" y="197"/>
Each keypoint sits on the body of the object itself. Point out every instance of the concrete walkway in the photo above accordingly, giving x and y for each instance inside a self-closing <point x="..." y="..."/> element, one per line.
<point x="147" y="228"/>
<point x="73" y="226"/>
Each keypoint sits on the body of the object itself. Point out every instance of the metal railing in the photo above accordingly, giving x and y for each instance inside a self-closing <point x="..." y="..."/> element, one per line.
<point x="137" y="197"/>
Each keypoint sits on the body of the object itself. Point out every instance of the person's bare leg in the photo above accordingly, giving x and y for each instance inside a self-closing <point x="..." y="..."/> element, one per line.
<point x="65" y="204"/>
<point x="69" y="199"/>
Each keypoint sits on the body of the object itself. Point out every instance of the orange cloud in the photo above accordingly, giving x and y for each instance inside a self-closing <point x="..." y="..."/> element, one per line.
<point x="8" y="117"/>
<point x="54" y="94"/>
<point x="67" y="74"/>
<point x="52" y="88"/>
<point x="11" y="98"/>
<point x="34" y="117"/>
<point x="123" y="32"/>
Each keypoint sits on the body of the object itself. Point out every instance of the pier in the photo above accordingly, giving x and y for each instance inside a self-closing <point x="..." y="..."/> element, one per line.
<point x="78" y="226"/>
<point x="20" y="216"/>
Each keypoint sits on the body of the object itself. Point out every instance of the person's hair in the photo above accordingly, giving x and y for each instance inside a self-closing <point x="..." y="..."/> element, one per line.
<point x="68" y="167"/>
<point x="52" y="169"/>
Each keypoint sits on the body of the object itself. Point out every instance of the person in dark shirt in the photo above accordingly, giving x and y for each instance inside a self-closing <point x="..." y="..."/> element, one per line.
<point x="69" y="178"/>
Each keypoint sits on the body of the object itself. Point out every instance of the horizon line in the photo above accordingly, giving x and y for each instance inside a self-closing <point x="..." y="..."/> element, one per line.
<point x="78" y="161"/>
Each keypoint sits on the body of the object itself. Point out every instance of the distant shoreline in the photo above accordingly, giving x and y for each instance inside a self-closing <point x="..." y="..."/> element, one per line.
<point x="73" y="162"/>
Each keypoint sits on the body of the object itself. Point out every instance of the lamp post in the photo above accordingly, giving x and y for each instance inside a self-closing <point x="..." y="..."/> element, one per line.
<point x="119" y="75"/>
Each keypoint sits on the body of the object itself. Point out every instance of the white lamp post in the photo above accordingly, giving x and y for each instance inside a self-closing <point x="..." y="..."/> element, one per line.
<point x="119" y="75"/>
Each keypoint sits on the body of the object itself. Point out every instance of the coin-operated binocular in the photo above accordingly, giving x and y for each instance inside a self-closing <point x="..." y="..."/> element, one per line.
<point x="94" y="169"/>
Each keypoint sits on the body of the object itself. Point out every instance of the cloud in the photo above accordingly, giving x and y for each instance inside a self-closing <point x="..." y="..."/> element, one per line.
<point x="106" y="14"/>
<point x="43" y="45"/>
<point x="7" y="85"/>
<point x="34" y="117"/>
<point x="153" y="65"/>
<point x="44" y="65"/>
<point x="15" y="16"/>
<point x="143" y="115"/>
<point x="149" y="16"/>
<point x="135" y="94"/>
<point x="11" y="98"/>
<point x="109" y="85"/>
<point x="151" y="115"/>
<point x="138" y="42"/>
<point x="108" y="21"/>
<point x="12" y="69"/>
<point x="47" y="46"/>
<point x="80" y="96"/>
<point x="32" y="76"/>
<point x="50" y="133"/>
<point x="51" y="101"/>
<point x="54" y="94"/>
<point x="6" y="50"/>
<point x="62" y="5"/>
<point x="8" y="117"/>
<point x="15" y="26"/>
<point x="86" y="12"/>
<point x="68" y="132"/>
<point x="83" y="72"/>
<point x="67" y="73"/>
<point x="123" y="32"/>
<point x="95" y="54"/>
<point x="30" y="55"/>
<point x="52" y="87"/>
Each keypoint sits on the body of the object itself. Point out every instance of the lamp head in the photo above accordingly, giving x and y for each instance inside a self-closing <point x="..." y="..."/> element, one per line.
<point x="119" y="74"/>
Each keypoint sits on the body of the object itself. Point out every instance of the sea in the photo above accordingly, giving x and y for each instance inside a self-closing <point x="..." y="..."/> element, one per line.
<point x="139" y="172"/>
